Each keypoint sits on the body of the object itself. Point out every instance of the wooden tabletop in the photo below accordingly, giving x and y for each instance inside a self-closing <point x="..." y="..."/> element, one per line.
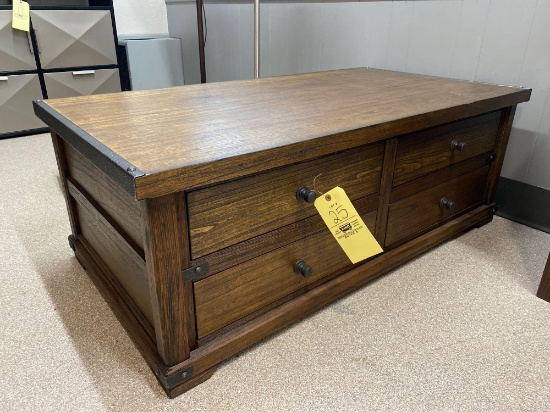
<point x="191" y="136"/>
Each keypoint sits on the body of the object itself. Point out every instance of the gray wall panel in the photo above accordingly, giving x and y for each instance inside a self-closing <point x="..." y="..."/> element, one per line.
<point x="373" y="33"/>
<point x="279" y="40"/>
<point x="265" y="40"/>
<point x="247" y="41"/>
<point x="339" y="33"/>
<point x="400" y="31"/>
<point x="182" y="20"/>
<point x="433" y="37"/>
<point x="470" y="32"/>
<point x="311" y="29"/>
<point x="506" y="34"/>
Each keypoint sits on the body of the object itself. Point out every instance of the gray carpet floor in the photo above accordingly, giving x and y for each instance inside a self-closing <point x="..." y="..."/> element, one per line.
<point x="458" y="329"/>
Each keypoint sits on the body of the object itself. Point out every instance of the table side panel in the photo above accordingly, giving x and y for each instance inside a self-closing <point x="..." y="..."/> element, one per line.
<point x="116" y="203"/>
<point x="121" y="259"/>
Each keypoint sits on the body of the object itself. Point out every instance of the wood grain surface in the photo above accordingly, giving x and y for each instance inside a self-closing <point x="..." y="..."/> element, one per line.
<point x="429" y="150"/>
<point x="191" y="136"/>
<point x="239" y="291"/>
<point x="117" y="204"/>
<point x="259" y="245"/>
<point x="166" y="255"/>
<point x="122" y="261"/>
<point x="414" y="213"/>
<point x="226" y="214"/>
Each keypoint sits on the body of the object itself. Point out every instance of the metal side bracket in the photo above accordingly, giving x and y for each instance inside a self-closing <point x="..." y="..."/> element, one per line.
<point x="195" y="272"/>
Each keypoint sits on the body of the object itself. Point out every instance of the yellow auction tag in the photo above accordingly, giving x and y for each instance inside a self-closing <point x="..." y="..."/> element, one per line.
<point x="346" y="225"/>
<point x="21" y="18"/>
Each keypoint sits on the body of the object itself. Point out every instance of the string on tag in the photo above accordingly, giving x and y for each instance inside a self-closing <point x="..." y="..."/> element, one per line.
<point x="315" y="182"/>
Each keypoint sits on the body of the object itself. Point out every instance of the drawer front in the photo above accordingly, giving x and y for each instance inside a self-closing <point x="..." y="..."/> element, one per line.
<point x="226" y="214"/>
<point x="74" y="38"/>
<point x="430" y="150"/>
<point x="237" y="292"/>
<point x="15" y="48"/>
<point x="82" y="83"/>
<point x="16" y="96"/>
<point x="417" y="212"/>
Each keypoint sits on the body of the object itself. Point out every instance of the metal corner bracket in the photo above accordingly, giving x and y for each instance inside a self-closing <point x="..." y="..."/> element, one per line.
<point x="173" y="380"/>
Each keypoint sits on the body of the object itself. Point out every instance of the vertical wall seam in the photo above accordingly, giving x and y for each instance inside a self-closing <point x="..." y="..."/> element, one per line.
<point x="409" y="37"/>
<point x="456" y="40"/>
<point x="322" y="34"/>
<point x="389" y="34"/>
<point x="356" y="38"/>
<point x="483" y="38"/>
<point x="528" y="40"/>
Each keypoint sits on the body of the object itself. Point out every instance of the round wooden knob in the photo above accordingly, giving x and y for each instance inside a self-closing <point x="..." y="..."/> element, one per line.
<point x="458" y="146"/>
<point x="306" y="194"/>
<point x="303" y="268"/>
<point x="446" y="204"/>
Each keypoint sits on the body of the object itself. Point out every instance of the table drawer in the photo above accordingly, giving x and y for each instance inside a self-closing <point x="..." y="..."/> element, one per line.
<point x="432" y="149"/>
<point x="229" y="213"/>
<point x="234" y="293"/>
<point x="417" y="212"/>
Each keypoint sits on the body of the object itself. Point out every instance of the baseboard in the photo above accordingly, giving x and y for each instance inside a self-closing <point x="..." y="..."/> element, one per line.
<point x="524" y="203"/>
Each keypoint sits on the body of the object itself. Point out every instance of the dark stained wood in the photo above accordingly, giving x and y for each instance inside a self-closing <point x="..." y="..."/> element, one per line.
<point x="238" y="291"/>
<point x="544" y="286"/>
<point x="414" y="213"/>
<point x="226" y="214"/>
<point x="190" y="384"/>
<point x="243" y="251"/>
<point x="429" y="150"/>
<point x="127" y="312"/>
<point x="61" y="158"/>
<point x="241" y="338"/>
<point x="386" y="190"/>
<point x="500" y="148"/>
<point x="214" y="170"/>
<point x="438" y="177"/>
<point x="167" y="254"/>
<point x="117" y="204"/>
<point x="121" y="260"/>
<point x="192" y="136"/>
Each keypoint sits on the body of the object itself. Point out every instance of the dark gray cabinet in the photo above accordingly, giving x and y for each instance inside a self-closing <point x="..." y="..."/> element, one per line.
<point x="70" y="51"/>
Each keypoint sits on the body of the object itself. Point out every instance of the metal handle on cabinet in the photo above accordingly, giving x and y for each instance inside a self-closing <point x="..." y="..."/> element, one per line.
<point x="83" y="72"/>
<point x="458" y="146"/>
<point x="446" y="204"/>
<point x="306" y="194"/>
<point x="302" y="268"/>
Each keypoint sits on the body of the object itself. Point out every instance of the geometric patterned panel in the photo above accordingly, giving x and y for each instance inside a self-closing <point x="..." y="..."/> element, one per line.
<point x="65" y="84"/>
<point x="15" y="50"/>
<point x="16" y="96"/>
<point x="74" y="38"/>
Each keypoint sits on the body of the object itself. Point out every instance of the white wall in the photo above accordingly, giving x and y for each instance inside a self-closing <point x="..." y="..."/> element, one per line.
<point x="134" y="18"/>
<point x="499" y="41"/>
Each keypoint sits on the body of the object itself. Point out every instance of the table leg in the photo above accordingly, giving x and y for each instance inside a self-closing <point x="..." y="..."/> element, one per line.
<point x="544" y="287"/>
